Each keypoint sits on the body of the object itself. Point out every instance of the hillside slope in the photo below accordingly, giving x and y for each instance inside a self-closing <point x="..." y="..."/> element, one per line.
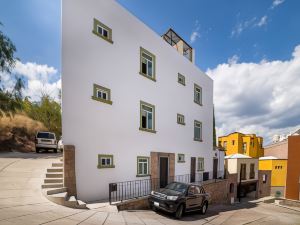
<point x="17" y="133"/>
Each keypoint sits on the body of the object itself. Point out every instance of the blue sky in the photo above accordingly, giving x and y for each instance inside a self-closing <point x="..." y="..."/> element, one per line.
<point x="35" y="27"/>
<point x="248" y="47"/>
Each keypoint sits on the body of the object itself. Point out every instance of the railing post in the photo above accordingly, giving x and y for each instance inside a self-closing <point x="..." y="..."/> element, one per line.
<point x="109" y="193"/>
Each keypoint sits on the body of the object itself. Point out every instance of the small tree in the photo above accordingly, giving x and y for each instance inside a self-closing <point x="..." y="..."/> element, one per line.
<point x="7" y="53"/>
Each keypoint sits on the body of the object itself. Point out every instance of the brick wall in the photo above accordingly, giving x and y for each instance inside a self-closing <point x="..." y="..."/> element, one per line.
<point x="69" y="169"/>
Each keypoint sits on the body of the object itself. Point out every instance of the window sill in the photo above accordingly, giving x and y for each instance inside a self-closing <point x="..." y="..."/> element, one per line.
<point x="143" y="175"/>
<point x="102" y="100"/>
<point x="105" y="167"/>
<point x="183" y="84"/>
<point x="147" y="130"/>
<point x="181" y="124"/>
<point x="200" y="140"/>
<point x="200" y="170"/>
<point x="104" y="38"/>
<point x="150" y="78"/>
<point x="198" y="103"/>
<point x="181" y="161"/>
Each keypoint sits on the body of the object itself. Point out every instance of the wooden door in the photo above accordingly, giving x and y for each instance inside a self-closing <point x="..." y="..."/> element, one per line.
<point x="215" y="168"/>
<point x="163" y="171"/>
<point x="193" y="169"/>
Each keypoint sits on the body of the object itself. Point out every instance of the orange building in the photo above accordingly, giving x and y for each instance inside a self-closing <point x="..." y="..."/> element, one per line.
<point x="289" y="149"/>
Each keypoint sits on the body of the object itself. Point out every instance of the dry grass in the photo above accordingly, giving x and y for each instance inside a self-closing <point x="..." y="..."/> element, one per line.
<point x="17" y="133"/>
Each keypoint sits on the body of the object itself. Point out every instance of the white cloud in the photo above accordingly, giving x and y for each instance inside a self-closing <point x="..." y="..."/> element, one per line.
<point x="195" y="33"/>
<point x="262" y="22"/>
<point x="38" y="80"/>
<point x="257" y="97"/>
<point x="276" y="3"/>
<point x="233" y="60"/>
<point x="241" y="26"/>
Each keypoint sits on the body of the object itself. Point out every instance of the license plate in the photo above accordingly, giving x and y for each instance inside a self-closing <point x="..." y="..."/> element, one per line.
<point x="156" y="204"/>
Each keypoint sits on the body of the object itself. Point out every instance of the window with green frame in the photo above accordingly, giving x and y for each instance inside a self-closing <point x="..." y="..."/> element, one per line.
<point x="181" y="79"/>
<point x="200" y="164"/>
<point x="197" y="130"/>
<point x="105" y="161"/>
<point x="197" y="94"/>
<point x="143" y="166"/>
<point x="102" y="31"/>
<point x="147" y="117"/>
<point x="147" y="64"/>
<point x="181" y="158"/>
<point x="180" y="119"/>
<point x="101" y="94"/>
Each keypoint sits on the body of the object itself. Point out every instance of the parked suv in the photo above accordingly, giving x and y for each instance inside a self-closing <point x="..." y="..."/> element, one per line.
<point x="45" y="140"/>
<point x="179" y="197"/>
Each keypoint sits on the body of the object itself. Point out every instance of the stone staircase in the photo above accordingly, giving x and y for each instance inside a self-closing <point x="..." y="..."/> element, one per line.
<point x="54" y="190"/>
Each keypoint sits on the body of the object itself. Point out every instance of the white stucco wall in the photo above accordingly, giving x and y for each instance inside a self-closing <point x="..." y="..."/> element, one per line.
<point x="234" y="166"/>
<point x="97" y="128"/>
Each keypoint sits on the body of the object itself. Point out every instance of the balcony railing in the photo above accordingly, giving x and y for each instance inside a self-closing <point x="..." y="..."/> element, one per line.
<point x="120" y="191"/>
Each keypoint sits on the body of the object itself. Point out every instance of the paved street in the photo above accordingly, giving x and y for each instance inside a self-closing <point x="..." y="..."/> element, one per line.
<point x="21" y="202"/>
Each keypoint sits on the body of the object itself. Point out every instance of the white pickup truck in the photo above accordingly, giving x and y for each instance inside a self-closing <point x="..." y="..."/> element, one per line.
<point x="45" y="141"/>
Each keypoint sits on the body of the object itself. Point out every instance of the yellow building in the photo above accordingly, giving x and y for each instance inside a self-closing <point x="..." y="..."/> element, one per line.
<point x="279" y="171"/>
<point x="247" y="144"/>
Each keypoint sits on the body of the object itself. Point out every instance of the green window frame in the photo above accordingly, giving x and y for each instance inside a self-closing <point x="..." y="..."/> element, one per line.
<point x="197" y="130"/>
<point x="180" y="119"/>
<point x="181" y="79"/>
<point x="143" y="166"/>
<point x="102" y="31"/>
<point x="147" y="64"/>
<point x="147" y="117"/>
<point x="101" y="94"/>
<point x="180" y="158"/>
<point x="105" y="161"/>
<point x="200" y="164"/>
<point x="197" y="94"/>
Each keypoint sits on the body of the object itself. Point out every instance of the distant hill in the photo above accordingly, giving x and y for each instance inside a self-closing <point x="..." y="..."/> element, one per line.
<point x="18" y="133"/>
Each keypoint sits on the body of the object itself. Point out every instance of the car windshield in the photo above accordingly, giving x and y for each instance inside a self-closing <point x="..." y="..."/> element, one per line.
<point x="45" y="135"/>
<point x="179" y="187"/>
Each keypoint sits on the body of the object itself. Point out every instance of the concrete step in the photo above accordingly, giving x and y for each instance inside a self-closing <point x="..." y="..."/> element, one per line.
<point x="51" y="191"/>
<point x="71" y="202"/>
<point x="57" y="164"/>
<point x="58" y="198"/>
<point x="52" y="185"/>
<point x="54" y="175"/>
<point x="53" y="180"/>
<point x="54" y="170"/>
<point x="81" y="205"/>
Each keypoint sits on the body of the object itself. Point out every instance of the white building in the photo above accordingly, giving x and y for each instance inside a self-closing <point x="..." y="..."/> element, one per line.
<point x="134" y="106"/>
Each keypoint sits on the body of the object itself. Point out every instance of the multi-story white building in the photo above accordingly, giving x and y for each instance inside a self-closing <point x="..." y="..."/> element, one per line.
<point x="134" y="104"/>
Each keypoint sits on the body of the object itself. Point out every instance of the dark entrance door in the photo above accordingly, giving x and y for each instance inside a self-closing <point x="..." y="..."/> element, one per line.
<point x="163" y="171"/>
<point x="193" y="169"/>
<point x="215" y="168"/>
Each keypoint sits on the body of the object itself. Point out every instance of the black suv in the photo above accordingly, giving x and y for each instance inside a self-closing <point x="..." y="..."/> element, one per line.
<point x="179" y="197"/>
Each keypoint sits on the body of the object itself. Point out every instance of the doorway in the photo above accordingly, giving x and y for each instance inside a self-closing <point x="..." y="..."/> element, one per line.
<point x="215" y="168"/>
<point x="163" y="171"/>
<point x="193" y="169"/>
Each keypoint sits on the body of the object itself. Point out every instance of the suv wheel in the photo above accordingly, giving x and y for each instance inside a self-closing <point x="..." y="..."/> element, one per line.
<point x="37" y="150"/>
<point x="179" y="211"/>
<point x="55" y="150"/>
<point x="204" y="208"/>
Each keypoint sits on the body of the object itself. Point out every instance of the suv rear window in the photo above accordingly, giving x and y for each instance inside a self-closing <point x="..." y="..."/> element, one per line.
<point x="45" y="135"/>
